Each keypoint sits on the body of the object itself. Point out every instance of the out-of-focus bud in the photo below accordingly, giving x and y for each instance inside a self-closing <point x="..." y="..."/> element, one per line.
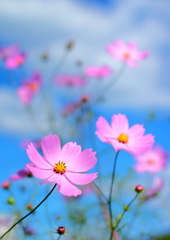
<point x="29" y="207"/>
<point x="70" y="45"/>
<point x="79" y="63"/>
<point x="45" y="56"/>
<point x="126" y="208"/>
<point x="10" y="200"/>
<point x="85" y="98"/>
<point x="6" y="185"/>
<point x="139" y="189"/>
<point x="61" y="230"/>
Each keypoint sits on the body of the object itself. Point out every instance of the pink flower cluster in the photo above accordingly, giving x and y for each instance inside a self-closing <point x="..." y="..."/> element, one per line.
<point x="63" y="166"/>
<point x="12" y="56"/>
<point x="127" y="53"/>
<point x="29" y="88"/>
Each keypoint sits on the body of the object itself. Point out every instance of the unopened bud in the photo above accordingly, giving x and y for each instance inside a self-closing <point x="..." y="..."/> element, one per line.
<point x="126" y="208"/>
<point x="138" y="188"/>
<point x="6" y="185"/>
<point x="30" y="207"/>
<point x="70" y="45"/>
<point x="10" y="200"/>
<point x="61" y="230"/>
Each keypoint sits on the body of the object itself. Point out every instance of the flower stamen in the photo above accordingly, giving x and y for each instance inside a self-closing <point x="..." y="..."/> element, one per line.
<point x="123" y="138"/>
<point x="60" y="167"/>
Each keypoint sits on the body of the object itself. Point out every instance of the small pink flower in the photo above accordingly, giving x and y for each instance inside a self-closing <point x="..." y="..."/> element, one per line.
<point x="21" y="174"/>
<point x="120" y="136"/>
<point x="154" y="191"/>
<point x="153" y="160"/>
<point x="99" y="72"/>
<point x="29" y="88"/>
<point x="15" y="61"/>
<point x="73" y="81"/>
<point x="63" y="166"/>
<point x="6" y="184"/>
<point x="9" y="51"/>
<point x="126" y="52"/>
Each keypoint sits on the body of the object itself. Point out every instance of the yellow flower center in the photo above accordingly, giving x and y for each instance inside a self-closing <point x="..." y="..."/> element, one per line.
<point x="126" y="55"/>
<point x="123" y="138"/>
<point x="60" y="167"/>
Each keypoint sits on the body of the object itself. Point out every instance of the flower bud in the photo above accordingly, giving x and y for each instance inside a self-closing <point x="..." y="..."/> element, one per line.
<point x="29" y="207"/>
<point x="10" y="200"/>
<point x="139" y="189"/>
<point x="70" y="45"/>
<point x="61" y="230"/>
<point x="6" y="185"/>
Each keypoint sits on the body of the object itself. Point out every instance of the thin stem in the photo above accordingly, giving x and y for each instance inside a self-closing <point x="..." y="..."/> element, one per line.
<point x="59" y="237"/>
<point x="110" y="195"/>
<point x="100" y="192"/>
<point x="125" y="210"/>
<point x="28" y="213"/>
<point x="109" y="84"/>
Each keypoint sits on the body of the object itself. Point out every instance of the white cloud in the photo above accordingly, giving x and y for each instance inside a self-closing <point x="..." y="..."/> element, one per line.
<point x="38" y="25"/>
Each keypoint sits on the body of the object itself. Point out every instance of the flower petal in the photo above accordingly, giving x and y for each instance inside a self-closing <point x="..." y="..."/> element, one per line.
<point x="119" y="124"/>
<point x="104" y="130"/>
<point x="39" y="173"/>
<point x="142" y="144"/>
<point x="51" y="148"/>
<point x="83" y="162"/>
<point x="69" y="152"/>
<point x="36" y="158"/>
<point x="80" y="178"/>
<point x="55" y="178"/>
<point x="68" y="189"/>
<point x="135" y="131"/>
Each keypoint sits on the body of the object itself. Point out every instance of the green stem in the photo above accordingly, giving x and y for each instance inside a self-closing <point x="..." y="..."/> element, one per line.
<point x="125" y="210"/>
<point x="28" y="213"/>
<point x="110" y="195"/>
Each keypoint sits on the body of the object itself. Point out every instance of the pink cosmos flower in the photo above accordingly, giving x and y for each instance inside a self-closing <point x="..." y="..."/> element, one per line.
<point x="154" y="191"/>
<point x="126" y="52"/>
<point x="100" y="72"/>
<point x="153" y="160"/>
<point x="63" y="166"/>
<point x="15" y="61"/>
<point x="29" y="88"/>
<point x="6" y="52"/>
<point x="120" y="136"/>
<point x="68" y="80"/>
<point x="21" y="174"/>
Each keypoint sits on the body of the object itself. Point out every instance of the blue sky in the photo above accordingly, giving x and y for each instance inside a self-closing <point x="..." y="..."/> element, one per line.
<point x="39" y="26"/>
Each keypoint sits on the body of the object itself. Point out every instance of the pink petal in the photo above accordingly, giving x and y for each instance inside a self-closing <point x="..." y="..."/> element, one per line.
<point x="40" y="173"/>
<point x="68" y="189"/>
<point x="119" y="124"/>
<point x="104" y="130"/>
<point x="141" y="145"/>
<point x="83" y="162"/>
<point x="51" y="148"/>
<point x="80" y="178"/>
<point x="55" y="178"/>
<point x="135" y="131"/>
<point x="69" y="152"/>
<point x="36" y="158"/>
